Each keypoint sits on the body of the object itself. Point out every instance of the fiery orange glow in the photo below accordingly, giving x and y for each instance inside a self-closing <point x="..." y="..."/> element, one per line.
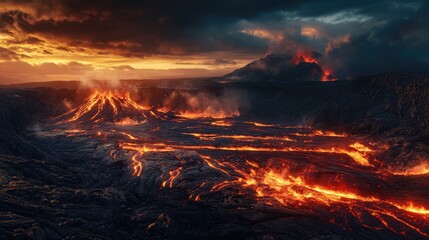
<point x="137" y="166"/>
<point x="208" y="113"/>
<point x="118" y="107"/>
<point x="201" y="105"/>
<point x="305" y="57"/>
<point x="258" y="124"/>
<point x="129" y="135"/>
<point x="420" y="169"/>
<point x="173" y="175"/>
<point x="360" y="147"/>
<point x="157" y="147"/>
<point x="74" y="132"/>
<point x="221" y="123"/>
<point x="127" y="121"/>
<point x="246" y="138"/>
<point x="328" y="134"/>
<point x="356" y="155"/>
<point x="327" y="76"/>
<point x="279" y="181"/>
<point x="287" y="188"/>
<point x="297" y="190"/>
<point x="104" y="104"/>
<point x="310" y="32"/>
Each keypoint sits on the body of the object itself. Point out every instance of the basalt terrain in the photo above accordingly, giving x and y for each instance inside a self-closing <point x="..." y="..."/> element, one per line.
<point x="217" y="160"/>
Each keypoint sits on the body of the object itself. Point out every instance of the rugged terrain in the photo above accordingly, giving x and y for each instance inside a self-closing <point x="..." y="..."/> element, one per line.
<point x="301" y="160"/>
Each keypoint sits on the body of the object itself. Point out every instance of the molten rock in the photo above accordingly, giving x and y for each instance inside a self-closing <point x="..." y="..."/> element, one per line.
<point x="109" y="106"/>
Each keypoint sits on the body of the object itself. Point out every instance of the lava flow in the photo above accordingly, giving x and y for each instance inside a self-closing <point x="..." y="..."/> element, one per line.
<point x="419" y="169"/>
<point x="109" y="106"/>
<point x="335" y="176"/>
<point x="302" y="188"/>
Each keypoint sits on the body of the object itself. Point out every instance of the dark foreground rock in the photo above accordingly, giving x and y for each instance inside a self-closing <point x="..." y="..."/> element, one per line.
<point x="55" y="185"/>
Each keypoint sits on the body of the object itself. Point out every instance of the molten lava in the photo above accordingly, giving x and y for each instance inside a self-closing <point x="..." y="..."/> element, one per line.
<point x="419" y="169"/>
<point x="300" y="189"/>
<point x="110" y="106"/>
<point x="127" y="121"/>
<point x="283" y="166"/>
<point x="104" y="105"/>
<point x="305" y="57"/>
<point x="308" y="57"/>
<point x="207" y="113"/>
<point x="221" y="123"/>
<point x="327" y="76"/>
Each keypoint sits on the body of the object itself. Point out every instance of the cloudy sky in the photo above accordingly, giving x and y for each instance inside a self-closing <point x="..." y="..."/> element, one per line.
<point x="104" y="39"/>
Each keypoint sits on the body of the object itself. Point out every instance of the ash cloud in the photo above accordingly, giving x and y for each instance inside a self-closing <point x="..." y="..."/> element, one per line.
<point x="357" y="37"/>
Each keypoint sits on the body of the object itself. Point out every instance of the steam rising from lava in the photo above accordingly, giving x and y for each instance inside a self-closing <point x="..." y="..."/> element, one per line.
<point x="203" y="105"/>
<point x="117" y="106"/>
<point x="108" y="106"/>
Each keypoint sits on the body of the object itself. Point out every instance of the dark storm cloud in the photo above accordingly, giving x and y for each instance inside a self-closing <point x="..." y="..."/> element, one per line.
<point x="141" y="28"/>
<point x="146" y="27"/>
<point x="399" y="44"/>
<point x="356" y="36"/>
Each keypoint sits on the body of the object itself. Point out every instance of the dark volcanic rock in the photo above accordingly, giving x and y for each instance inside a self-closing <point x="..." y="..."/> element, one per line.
<point x="278" y="67"/>
<point x="373" y="105"/>
<point x="54" y="186"/>
<point x="21" y="107"/>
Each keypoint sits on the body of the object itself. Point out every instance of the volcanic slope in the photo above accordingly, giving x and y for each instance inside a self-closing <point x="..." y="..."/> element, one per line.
<point x="109" y="106"/>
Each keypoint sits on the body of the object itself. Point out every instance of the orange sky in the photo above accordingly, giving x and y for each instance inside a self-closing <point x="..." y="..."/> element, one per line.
<point x="55" y="40"/>
<point x="53" y="60"/>
<point x="43" y="40"/>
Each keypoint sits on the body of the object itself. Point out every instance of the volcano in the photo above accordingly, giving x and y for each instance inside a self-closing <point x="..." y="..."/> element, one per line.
<point x="302" y="66"/>
<point x="110" y="106"/>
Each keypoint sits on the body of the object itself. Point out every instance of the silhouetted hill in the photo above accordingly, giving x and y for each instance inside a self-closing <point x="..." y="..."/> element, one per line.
<point x="280" y="67"/>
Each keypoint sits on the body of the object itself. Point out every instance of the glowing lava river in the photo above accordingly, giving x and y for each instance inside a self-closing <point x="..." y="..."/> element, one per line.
<point x="266" y="180"/>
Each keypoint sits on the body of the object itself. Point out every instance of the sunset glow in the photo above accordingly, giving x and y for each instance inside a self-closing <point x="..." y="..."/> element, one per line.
<point x="226" y="119"/>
